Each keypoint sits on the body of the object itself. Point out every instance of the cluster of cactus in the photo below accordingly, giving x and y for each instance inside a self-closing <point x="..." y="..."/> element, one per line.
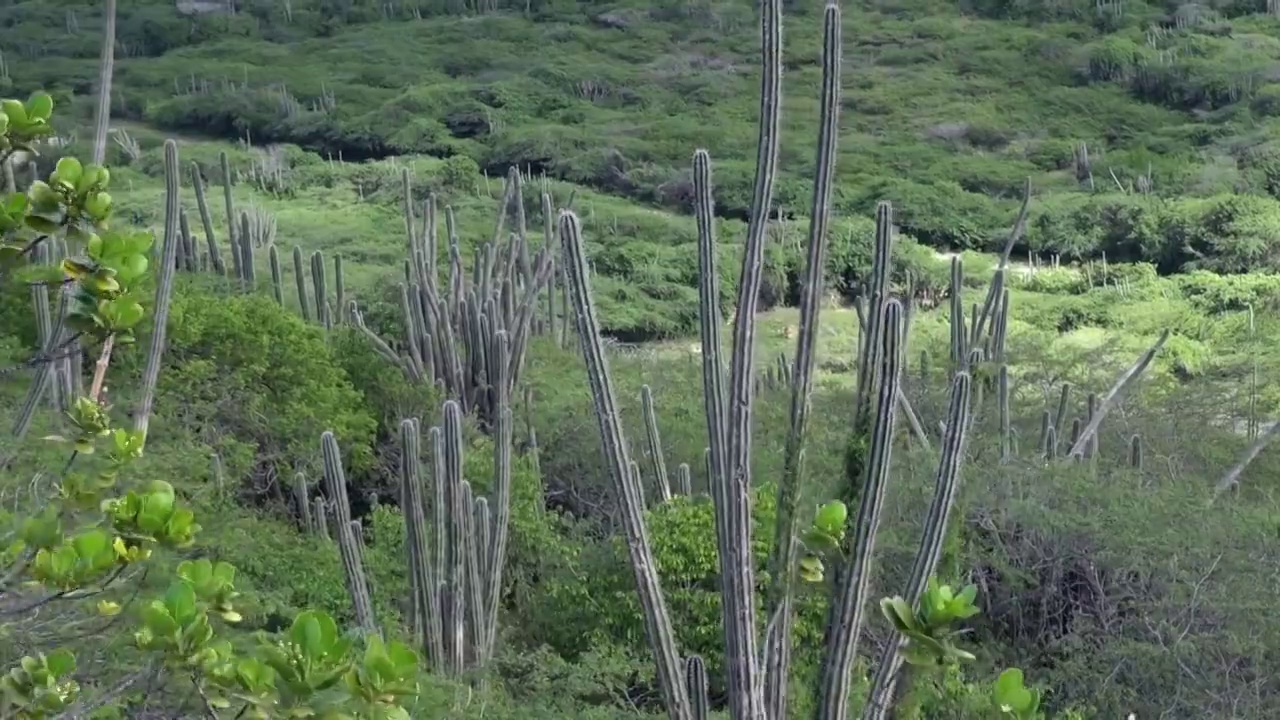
<point x="455" y="574"/>
<point x="757" y="667"/>
<point x="247" y="231"/>
<point x="449" y="330"/>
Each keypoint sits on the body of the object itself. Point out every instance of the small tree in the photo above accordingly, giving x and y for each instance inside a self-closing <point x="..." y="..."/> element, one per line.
<point x="99" y="526"/>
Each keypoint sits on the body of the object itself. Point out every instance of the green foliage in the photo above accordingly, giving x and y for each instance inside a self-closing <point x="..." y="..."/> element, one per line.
<point x="262" y="375"/>
<point x="77" y="547"/>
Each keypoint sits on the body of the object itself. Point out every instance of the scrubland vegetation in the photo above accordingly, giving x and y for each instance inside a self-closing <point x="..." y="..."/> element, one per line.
<point x="437" y="371"/>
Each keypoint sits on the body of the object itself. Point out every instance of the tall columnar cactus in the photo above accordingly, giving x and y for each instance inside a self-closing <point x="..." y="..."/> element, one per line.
<point x="946" y="486"/>
<point x="777" y="658"/>
<point x="1064" y="405"/>
<point x="1002" y="392"/>
<point x="733" y="511"/>
<point x="206" y="220"/>
<point x="844" y="620"/>
<point x="657" y="621"/>
<point x="232" y="231"/>
<point x="317" y="282"/>
<point x="959" y="345"/>
<point x="247" y="262"/>
<point x="46" y="372"/>
<point x="1135" y="452"/>
<point x="695" y="678"/>
<point x="106" y="66"/>
<point x="300" y="279"/>
<point x="320" y="515"/>
<point x="503" y="431"/>
<point x="473" y="574"/>
<point x="684" y="480"/>
<point x="164" y="289"/>
<point x="352" y="562"/>
<point x="302" y="496"/>
<point x="1127" y="378"/>
<point x="277" y="278"/>
<point x="421" y="585"/>
<point x="452" y="597"/>
<point x="1051" y="444"/>
<point x="340" y="287"/>
<point x="655" y="444"/>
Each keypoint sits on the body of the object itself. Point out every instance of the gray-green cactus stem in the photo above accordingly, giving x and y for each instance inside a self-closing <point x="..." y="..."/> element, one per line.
<point x="658" y="627"/>
<point x="844" y="623"/>
<point x="164" y="290"/>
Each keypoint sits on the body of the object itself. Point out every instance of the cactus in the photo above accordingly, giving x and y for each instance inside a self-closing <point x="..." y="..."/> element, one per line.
<point x="415" y="531"/>
<point x="301" y="496"/>
<point x="684" y="480"/>
<point x="301" y="281"/>
<point x="452" y="567"/>
<point x="777" y="655"/>
<point x="277" y="280"/>
<point x="206" y="220"/>
<point x="655" y="444"/>
<point x="503" y="430"/>
<point x="106" y="64"/>
<point x="164" y="290"/>
<point x="232" y="231"/>
<point x="959" y="347"/>
<point x="1064" y="400"/>
<point x="474" y="574"/>
<point x="1126" y="379"/>
<point x="658" y="627"/>
<point x="1051" y="444"/>
<point x="946" y="487"/>
<point x="852" y="579"/>
<point x="46" y="372"/>
<point x="339" y="286"/>
<point x="247" y="263"/>
<point x="1135" y="452"/>
<point x="317" y="282"/>
<point x="1002" y="391"/>
<point x="695" y="678"/>
<point x="352" y="562"/>
<point x="320" y="513"/>
<point x="440" y="510"/>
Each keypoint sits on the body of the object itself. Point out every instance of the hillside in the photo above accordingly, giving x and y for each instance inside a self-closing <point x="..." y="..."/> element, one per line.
<point x="1122" y="581"/>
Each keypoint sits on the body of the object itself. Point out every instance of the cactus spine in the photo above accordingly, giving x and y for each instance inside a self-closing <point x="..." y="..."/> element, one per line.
<point x="655" y="444"/>
<point x="348" y="544"/>
<point x="164" y="289"/>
